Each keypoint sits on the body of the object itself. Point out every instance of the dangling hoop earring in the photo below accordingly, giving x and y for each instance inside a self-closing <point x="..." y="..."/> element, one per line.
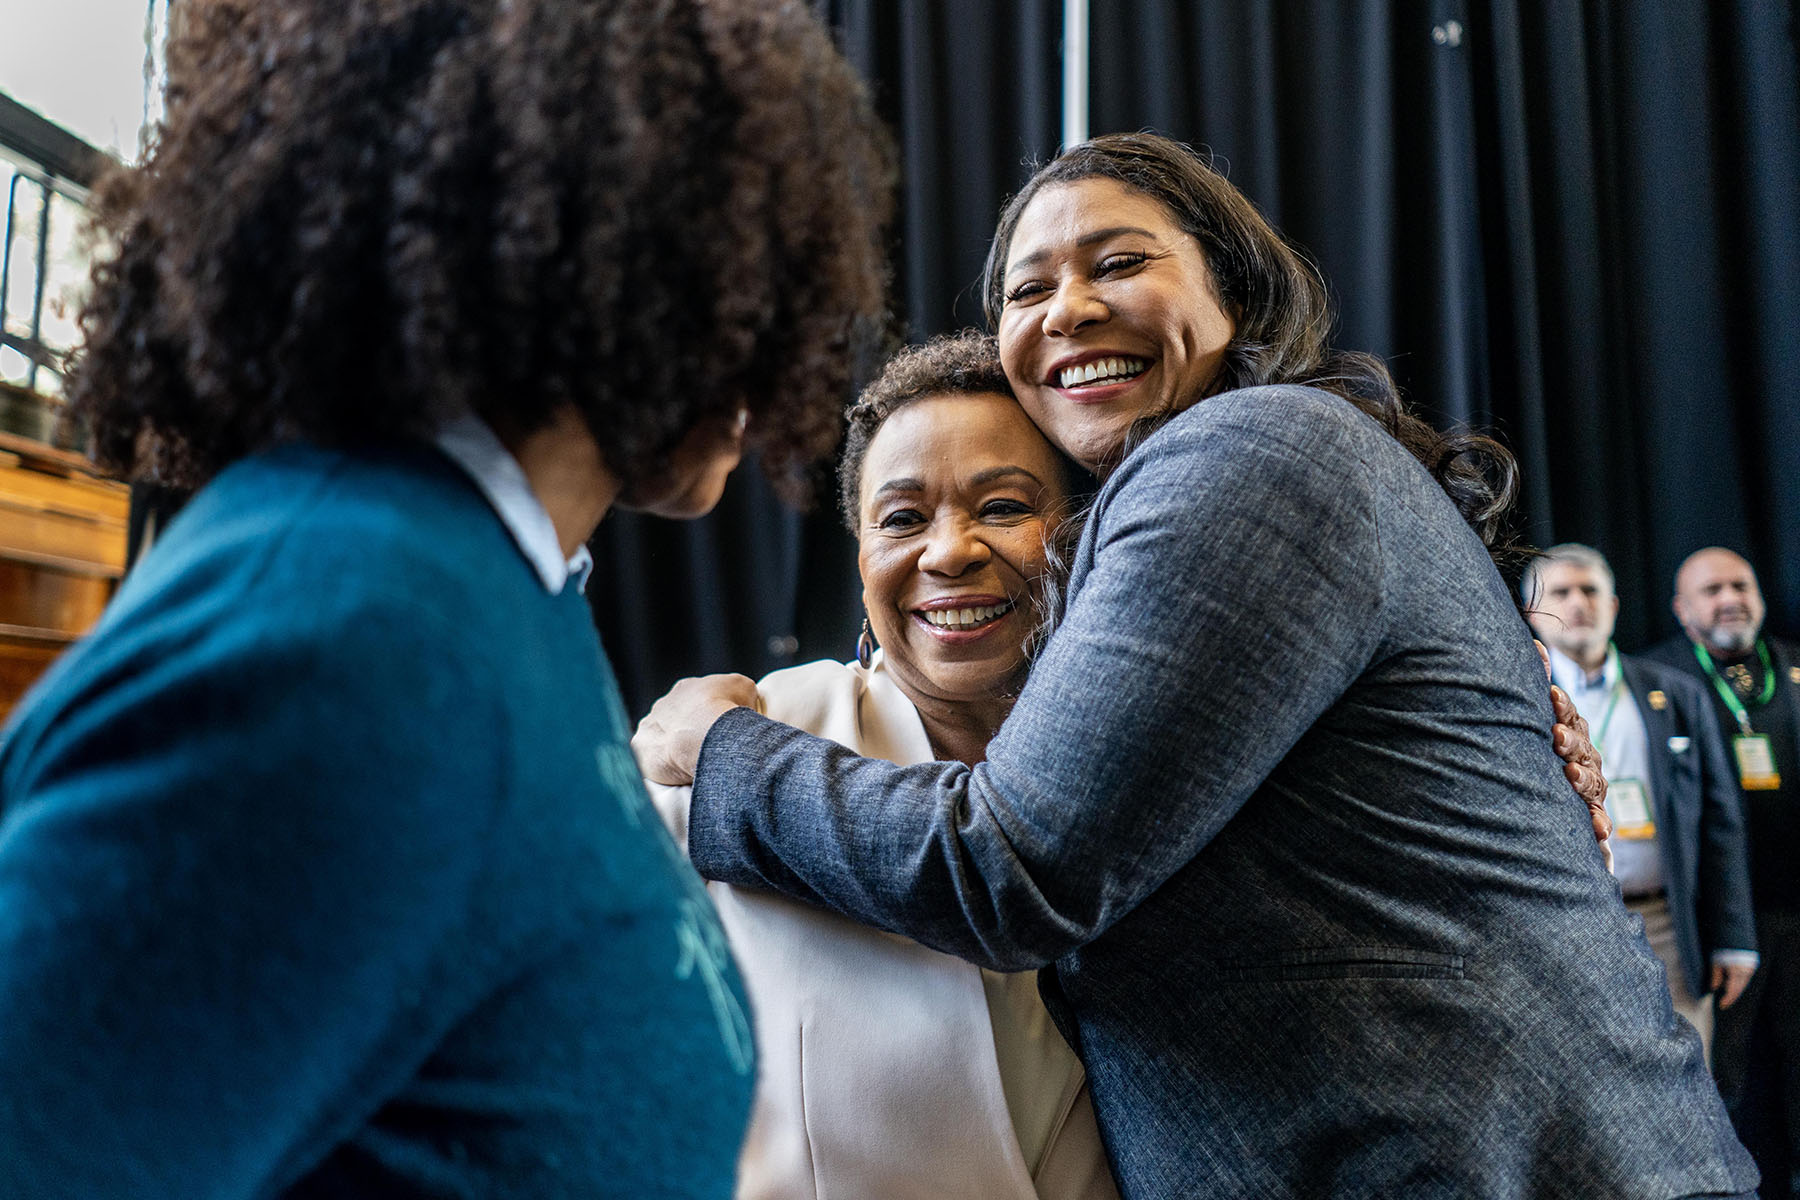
<point x="865" y="646"/>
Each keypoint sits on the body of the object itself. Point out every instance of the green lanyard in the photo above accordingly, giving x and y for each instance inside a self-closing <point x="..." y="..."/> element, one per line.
<point x="1725" y="691"/>
<point x="1612" y="696"/>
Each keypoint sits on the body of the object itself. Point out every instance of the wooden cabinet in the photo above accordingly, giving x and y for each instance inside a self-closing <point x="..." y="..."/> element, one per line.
<point x="62" y="551"/>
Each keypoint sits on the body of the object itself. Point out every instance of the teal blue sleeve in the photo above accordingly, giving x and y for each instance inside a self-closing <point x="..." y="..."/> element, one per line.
<point x="224" y="868"/>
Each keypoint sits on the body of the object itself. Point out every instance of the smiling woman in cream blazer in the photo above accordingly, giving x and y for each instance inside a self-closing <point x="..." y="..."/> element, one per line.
<point x="889" y="1070"/>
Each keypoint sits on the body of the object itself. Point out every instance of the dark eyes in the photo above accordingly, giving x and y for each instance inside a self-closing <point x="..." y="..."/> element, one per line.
<point x="1112" y="264"/>
<point x="1123" y="261"/>
<point x="904" y="519"/>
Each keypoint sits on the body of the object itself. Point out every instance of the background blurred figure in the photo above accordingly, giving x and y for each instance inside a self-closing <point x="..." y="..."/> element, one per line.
<point x="1754" y="679"/>
<point x="325" y="869"/>
<point x="1678" y="827"/>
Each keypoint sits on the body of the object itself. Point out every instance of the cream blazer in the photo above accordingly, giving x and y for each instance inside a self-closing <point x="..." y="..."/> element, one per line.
<point x="879" y="1061"/>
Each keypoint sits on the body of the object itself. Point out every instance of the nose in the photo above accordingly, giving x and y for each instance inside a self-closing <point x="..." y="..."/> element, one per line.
<point x="952" y="547"/>
<point x="1075" y="305"/>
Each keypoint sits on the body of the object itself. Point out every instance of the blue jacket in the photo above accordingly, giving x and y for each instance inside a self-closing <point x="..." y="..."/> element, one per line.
<point x="325" y="870"/>
<point x="1279" y="804"/>
<point x="1699" y="818"/>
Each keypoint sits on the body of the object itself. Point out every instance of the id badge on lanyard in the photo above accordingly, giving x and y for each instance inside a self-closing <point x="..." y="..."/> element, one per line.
<point x="1756" y="762"/>
<point x="1629" y="803"/>
<point x="1627" y="799"/>
<point x="1755" y="753"/>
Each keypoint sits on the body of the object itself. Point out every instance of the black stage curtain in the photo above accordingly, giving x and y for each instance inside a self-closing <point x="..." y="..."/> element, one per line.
<point x="1574" y="223"/>
<point x="1577" y="224"/>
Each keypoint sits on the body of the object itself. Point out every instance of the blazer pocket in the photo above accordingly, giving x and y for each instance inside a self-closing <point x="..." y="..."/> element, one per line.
<point x="1342" y="962"/>
<point x="1679" y="745"/>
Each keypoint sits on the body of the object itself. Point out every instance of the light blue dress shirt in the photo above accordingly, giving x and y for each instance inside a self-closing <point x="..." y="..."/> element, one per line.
<point x="1617" y="730"/>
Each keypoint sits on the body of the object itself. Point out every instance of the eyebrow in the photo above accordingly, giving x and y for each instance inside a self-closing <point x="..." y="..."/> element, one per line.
<point x="909" y="484"/>
<point x="996" y="473"/>
<point x="900" y="485"/>
<point x="1085" y="240"/>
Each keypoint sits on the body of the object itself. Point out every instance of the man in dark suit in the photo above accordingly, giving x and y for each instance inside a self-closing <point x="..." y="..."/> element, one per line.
<point x="1754" y="682"/>
<point x="1678" y="841"/>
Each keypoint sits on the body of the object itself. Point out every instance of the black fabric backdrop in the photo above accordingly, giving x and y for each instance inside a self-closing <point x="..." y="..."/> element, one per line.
<point x="1577" y="224"/>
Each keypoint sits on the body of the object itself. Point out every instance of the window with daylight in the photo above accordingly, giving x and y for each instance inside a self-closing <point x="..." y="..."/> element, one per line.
<point x="43" y="270"/>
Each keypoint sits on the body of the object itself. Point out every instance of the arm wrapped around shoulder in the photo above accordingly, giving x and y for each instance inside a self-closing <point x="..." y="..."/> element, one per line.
<point x="1228" y="593"/>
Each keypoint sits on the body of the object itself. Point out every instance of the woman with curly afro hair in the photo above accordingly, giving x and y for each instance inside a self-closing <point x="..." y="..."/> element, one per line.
<point x="324" y="865"/>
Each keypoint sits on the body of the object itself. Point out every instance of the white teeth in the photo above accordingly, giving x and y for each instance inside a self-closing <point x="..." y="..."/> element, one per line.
<point x="1112" y="370"/>
<point x="966" y="618"/>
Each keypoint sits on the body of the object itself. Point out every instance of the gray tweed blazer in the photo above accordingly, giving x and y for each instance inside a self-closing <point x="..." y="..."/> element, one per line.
<point x="1278" y="810"/>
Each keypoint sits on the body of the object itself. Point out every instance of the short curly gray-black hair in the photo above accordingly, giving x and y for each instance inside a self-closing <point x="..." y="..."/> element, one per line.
<point x="965" y="363"/>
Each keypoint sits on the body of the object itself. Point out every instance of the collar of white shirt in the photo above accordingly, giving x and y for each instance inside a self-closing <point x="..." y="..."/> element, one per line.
<point x="1567" y="674"/>
<point x="471" y="445"/>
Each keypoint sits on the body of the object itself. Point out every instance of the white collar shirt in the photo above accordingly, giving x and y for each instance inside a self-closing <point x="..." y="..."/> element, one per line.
<point x="471" y="445"/>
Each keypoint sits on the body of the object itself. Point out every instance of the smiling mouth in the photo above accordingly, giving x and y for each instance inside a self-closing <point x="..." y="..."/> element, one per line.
<point x="961" y="620"/>
<point x="1101" y="371"/>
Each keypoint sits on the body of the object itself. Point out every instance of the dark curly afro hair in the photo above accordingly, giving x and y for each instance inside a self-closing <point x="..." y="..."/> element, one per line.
<point x="360" y="214"/>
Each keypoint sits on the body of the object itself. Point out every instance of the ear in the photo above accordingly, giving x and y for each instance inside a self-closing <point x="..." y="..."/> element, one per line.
<point x="1615" y="610"/>
<point x="1680" y="610"/>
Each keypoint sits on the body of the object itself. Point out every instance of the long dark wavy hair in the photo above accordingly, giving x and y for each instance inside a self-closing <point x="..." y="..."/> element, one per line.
<point x="1282" y="312"/>
<point x="360" y="213"/>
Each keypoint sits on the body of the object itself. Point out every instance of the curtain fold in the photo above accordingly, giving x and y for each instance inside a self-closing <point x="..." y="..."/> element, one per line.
<point x="1663" y="142"/>
<point x="1575" y="224"/>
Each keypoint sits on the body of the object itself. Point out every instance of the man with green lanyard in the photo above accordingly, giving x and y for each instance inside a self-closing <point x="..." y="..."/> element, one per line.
<point x="1678" y="830"/>
<point x="1755" y="684"/>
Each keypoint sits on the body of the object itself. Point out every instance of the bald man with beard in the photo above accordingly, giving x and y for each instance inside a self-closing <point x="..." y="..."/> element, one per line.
<point x="1754" y="681"/>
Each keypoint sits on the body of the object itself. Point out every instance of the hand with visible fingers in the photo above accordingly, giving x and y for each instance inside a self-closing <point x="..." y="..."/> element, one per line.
<point x="1729" y="981"/>
<point x="668" y="740"/>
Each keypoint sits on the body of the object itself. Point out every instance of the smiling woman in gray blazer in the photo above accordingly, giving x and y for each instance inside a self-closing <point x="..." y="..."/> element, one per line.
<point x="1276" y="808"/>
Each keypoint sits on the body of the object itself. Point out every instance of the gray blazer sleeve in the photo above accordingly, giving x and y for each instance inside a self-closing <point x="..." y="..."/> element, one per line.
<point x="1227" y="592"/>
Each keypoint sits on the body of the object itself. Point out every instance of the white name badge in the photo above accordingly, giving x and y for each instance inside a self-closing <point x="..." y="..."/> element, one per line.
<point x="1629" y="803"/>
<point x="1756" y="762"/>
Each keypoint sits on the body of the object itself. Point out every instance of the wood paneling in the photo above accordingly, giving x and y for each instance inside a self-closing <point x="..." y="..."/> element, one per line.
<point x="62" y="550"/>
<point x="42" y="597"/>
<point x="23" y="658"/>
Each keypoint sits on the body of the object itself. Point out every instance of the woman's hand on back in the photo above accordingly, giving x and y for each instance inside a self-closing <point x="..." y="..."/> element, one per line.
<point x="1581" y="762"/>
<point x="668" y="740"/>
